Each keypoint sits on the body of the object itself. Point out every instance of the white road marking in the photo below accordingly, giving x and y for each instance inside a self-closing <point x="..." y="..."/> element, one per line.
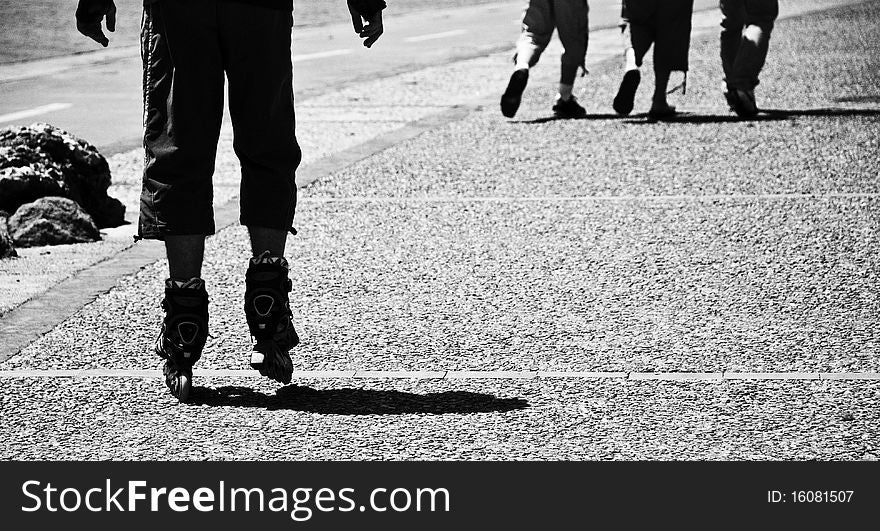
<point x="441" y="374"/>
<point x="432" y="36"/>
<point x="320" y="55"/>
<point x="592" y="198"/>
<point x="36" y="111"/>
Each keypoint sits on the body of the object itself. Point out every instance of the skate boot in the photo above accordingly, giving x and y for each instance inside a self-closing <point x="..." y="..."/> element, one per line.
<point x="267" y="309"/>
<point x="183" y="334"/>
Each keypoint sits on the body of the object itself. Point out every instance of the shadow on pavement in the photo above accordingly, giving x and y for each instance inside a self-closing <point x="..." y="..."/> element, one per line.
<point x="350" y="401"/>
<point x="766" y="115"/>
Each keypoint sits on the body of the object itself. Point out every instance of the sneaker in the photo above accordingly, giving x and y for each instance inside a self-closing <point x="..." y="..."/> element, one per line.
<point x="626" y="94"/>
<point x="183" y="334"/>
<point x="512" y="97"/>
<point x="568" y="108"/>
<point x="742" y="102"/>
<point x="267" y="309"/>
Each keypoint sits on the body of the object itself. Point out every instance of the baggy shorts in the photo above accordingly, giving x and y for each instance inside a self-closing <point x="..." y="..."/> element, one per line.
<point x="664" y="23"/>
<point x="187" y="46"/>
<point x="570" y="18"/>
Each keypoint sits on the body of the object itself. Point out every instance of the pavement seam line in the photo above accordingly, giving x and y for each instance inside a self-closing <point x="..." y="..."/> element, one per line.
<point x="597" y="198"/>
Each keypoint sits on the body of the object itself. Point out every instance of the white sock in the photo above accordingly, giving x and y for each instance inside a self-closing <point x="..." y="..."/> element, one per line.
<point x="630" y="60"/>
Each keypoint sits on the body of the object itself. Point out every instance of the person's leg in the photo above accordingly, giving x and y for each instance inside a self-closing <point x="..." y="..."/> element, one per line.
<point x="638" y="35"/>
<point x="183" y="108"/>
<point x="760" y="18"/>
<point x="661" y="85"/>
<point x="537" y="28"/>
<point x="640" y="31"/>
<point x="256" y="54"/>
<point x="185" y="253"/>
<point x="733" y="18"/>
<point x="268" y="240"/>
<point x="624" y="100"/>
<point x="256" y="50"/>
<point x="629" y="53"/>
<point x="671" y="49"/>
<point x="573" y="26"/>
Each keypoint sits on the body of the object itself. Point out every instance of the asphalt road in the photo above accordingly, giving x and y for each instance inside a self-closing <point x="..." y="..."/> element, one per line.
<point x="98" y="96"/>
<point x="40" y="29"/>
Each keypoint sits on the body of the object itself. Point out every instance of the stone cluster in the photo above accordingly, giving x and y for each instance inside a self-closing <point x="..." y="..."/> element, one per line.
<point x="53" y="189"/>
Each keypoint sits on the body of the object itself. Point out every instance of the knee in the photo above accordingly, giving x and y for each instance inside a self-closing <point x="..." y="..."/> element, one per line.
<point x="765" y="22"/>
<point x="536" y="41"/>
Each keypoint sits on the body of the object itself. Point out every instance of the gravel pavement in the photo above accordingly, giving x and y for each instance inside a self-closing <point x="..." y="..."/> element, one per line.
<point x="117" y="418"/>
<point x="702" y="245"/>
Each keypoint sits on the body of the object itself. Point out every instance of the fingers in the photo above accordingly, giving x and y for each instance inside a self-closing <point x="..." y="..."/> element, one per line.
<point x="372" y="31"/>
<point x="356" y="20"/>
<point x="93" y="31"/>
<point x="111" y="18"/>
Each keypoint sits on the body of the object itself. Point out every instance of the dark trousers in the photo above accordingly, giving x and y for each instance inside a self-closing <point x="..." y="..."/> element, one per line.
<point x="187" y="47"/>
<point x="745" y="38"/>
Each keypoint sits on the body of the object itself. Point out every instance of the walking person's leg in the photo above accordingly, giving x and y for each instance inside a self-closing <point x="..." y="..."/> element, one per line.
<point x="183" y="109"/>
<point x="537" y="28"/>
<point x="256" y="52"/>
<point x="638" y="35"/>
<point x="760" y="16"/>
<point x="733" y="19"/>
<point x="573" y="26"/>
<point x="745" y="40"/>
<point x="671" y="49"/>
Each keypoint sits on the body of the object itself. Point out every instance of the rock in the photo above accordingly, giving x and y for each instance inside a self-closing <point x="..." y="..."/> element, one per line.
<point x="41" y="161"/>
<point x="52" y="221"/>
<point x="6" y="248"/>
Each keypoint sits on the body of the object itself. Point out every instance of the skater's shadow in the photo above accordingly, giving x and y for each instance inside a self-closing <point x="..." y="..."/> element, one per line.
<point x="350" y="401"/>
<point x="766" y="115"/>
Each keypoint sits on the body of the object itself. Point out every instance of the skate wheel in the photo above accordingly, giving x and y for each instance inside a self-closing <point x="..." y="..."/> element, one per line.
<point x="184" y="386"/>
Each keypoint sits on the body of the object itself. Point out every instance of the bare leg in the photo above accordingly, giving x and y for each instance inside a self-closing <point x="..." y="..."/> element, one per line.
<point x="263" y="239"/>
<point x="660" y="87"/>
<point x="660" y="108"/>
<point x="565" y="91"/>
<point x="185" y="254"/>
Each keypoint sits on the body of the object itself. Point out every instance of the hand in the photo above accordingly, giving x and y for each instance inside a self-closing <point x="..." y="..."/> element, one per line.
<point x="373" y="29"/>
<point x="90" y="13"/>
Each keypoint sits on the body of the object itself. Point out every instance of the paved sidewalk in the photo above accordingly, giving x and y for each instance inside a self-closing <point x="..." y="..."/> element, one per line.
<point x="706" y="245"/>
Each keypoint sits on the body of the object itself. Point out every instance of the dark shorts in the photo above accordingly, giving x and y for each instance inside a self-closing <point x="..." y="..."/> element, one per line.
<point x="187" y="47"/>
<point x="664" y="23"/>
